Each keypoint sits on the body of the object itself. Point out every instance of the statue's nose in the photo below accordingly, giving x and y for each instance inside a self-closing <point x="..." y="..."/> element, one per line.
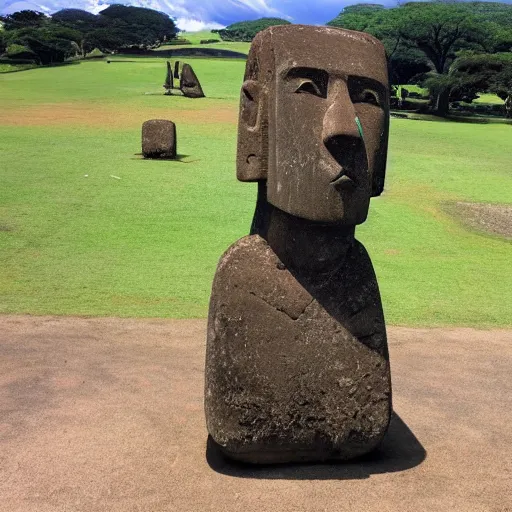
<point x="341" y="134"/>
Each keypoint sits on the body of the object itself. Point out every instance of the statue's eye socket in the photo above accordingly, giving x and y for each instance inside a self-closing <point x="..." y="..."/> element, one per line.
<point x="309" y="87"/>
<point x="368" y="96"/>
<point x="304" y="80"/>
<point x="367" y="91"/>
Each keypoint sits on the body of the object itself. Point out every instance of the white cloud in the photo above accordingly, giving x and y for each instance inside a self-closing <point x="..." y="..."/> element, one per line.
<point x="95" y="6"/>
<point x="192" y="25"/>
<point x="219" y="12"/>
<point x="258" y="6"/>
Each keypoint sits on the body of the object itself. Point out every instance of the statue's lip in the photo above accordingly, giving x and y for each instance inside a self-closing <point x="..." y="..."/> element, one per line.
<point x="343" y="182"/>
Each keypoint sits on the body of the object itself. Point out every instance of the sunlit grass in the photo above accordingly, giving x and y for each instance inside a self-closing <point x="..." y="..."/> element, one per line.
<point x="75" y="239"/>
<point x="196" y="37"/>
<point x="8" y="68"/>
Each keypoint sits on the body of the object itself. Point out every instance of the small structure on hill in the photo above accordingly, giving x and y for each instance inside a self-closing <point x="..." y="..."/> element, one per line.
<point x="159" y="139"/>
<point x="297" y="365"/>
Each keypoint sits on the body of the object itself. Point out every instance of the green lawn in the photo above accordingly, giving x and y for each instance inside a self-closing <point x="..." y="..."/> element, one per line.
<point x="75" y="239"/>
<point x="196" y="37"/>
<point x="491" y="99"/>
<point x="8" y="68"/>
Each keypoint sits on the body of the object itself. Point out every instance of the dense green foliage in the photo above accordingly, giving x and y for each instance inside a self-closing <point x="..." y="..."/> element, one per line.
<point x="24" y="19"/>
<point x="46" y="44"/>
<point x="76" y="32"/>
<point x="424" y="38"/>
<point x="472" y="73"/>
<point x="246" y="30"/>
<point x="74" y="239"/>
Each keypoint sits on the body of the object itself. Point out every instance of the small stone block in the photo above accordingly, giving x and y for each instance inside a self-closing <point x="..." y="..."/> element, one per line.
<point x="159" y="139"/>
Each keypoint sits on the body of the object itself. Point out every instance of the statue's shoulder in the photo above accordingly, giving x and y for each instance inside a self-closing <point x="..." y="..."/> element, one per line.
<point x="249" y="251"/>
<point x="251" y="271"/>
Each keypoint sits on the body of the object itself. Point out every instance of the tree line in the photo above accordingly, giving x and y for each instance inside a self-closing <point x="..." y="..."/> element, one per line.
<point x="246" y="30"/>
<point x="32" y="35"/>
<point x="453" y="49"/>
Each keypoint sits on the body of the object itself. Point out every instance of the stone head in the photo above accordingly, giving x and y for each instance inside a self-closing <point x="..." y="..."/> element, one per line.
<point x="314" y="119"/>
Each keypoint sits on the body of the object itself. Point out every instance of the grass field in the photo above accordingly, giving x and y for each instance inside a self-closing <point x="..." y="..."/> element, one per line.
<point x="196" y="37"/>
<point x="87" y="227"/>
<point x="8" y="68"/>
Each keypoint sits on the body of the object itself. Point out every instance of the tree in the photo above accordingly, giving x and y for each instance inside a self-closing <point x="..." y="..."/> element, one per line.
<point x="471" y="73"/>
<point x="429" y="34"/>
<point x="246" y="30"/>
<point x="3" y="42"/>
<point x="49" y="44"/>
<point x="76" y="18"/>
<point x="24" y="19"/>
<point x="361" y="17"/>
<point x="404" y="61"/>
<point x="141" y="26"/>
<point x="109" y="39"/>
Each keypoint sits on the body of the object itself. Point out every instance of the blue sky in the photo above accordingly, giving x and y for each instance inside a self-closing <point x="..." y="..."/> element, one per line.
<point x="198" y="14"/>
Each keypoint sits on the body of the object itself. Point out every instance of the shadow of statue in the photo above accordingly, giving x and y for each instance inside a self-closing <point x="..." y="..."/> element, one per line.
<point x="400" y="450"/>
<point x="181" y="158"/>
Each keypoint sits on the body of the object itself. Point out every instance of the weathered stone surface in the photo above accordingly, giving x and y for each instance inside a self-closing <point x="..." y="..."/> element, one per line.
<point x="159" y="139"/>
<point x="305" y="88"/>
<point x="297" y="365"/>
<point x="189" y="83"/>
<point x="169" y="80"/>
<point x="289" y="378"/>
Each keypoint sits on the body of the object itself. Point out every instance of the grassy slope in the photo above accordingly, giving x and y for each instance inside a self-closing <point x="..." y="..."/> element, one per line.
<point x="147" y="244"/>
<point x="195" y="39"/>
<point x="8" y="68"/>
<point x="490" y="99"/>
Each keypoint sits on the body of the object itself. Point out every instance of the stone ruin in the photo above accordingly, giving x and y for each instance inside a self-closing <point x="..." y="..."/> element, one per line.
<point x="297" y="365"/>
<point x="189" y="83"/>
<point x="159" y="139"/>
<point x="169" y="80"/>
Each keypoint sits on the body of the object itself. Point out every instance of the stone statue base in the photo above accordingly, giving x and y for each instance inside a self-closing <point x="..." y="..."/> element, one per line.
<point x="296" y="370"/>
<point x="159" y="139"/>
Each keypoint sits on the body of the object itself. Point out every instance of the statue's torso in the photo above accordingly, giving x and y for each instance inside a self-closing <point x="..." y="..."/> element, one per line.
<point x="297" y="368"/>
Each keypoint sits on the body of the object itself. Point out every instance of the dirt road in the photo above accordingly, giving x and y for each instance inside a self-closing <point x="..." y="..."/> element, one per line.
<point x="107" y="415"/>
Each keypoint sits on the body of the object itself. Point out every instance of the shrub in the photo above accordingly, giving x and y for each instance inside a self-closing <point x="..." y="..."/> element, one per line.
<point x="179" y="41"/>
<point x="95" y="54"/>
<point x="13" y="49"/>
<point x="20" y="52"/>
<point x="246" y="30"/>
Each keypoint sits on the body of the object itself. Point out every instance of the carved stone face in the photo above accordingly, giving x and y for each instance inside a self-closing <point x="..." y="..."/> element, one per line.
<point x="189" y="83"/>
<point x="314" y="121"/>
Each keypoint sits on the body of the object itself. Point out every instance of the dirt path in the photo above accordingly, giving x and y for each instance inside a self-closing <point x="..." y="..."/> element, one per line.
<point x="82" y="114"/>
<point x="107" y="415"/>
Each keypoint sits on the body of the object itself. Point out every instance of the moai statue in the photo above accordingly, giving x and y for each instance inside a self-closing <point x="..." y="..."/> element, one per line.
<point x="169" y="80"/>
<point x="297" y="365"/>
<point x="159" y="139"/>
<point x="189" y="84"/>
<point x="177" y="69"/>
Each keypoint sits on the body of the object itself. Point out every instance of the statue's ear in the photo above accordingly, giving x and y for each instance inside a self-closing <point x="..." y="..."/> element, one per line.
<point x="252" y="149"/>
